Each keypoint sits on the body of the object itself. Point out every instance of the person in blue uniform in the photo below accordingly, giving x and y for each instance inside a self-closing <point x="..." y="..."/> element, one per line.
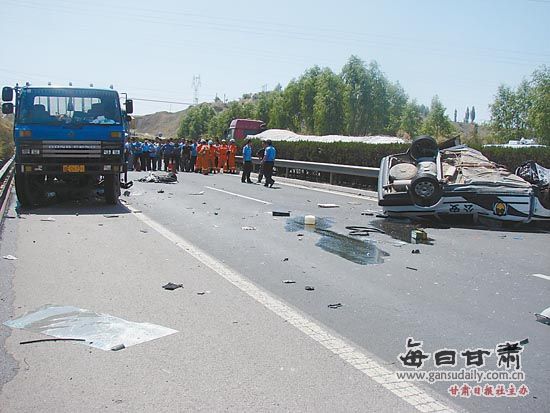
<point x="247" y="162"/>
<point x="269" y="162"/>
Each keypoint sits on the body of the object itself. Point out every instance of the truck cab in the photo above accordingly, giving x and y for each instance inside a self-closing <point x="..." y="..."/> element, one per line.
<point x="239" y="129"/>
<point x="66" y="139"/>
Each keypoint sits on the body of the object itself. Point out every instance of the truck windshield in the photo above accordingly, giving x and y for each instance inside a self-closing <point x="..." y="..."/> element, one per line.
<point x="68" y="106"/>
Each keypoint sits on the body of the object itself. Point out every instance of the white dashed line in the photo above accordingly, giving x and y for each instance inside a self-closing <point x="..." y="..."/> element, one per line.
<point x="544" y="277"/>
<point x="239" y="195"/>
<point x="328" y="191"/>
<point x="406" y="391"/>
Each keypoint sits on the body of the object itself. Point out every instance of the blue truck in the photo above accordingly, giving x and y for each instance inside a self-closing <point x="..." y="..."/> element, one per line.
<point x="67" y="140"/>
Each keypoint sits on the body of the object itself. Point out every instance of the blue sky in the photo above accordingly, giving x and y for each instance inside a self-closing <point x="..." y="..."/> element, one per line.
<point x="459" y="50"/>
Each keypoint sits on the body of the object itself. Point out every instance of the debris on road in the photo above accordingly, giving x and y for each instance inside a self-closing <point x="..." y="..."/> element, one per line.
<point x="415" y="251"/>
<point x="418" y="235"/>
<point x="289" y="282"/>
<point x="118" y="347"/>
<point x="126" y="185"/>
<point x="354" y="203"/>
<point x="197" y="193"/>
<point x="97" y="330"/>
<point x="359" y="230"/>
<point x="49" y="219"/>
<point x="280" y="214"/>
<point x="285" y="259"/>
<point x="160" y="178"/>
<point x="41" y="340"/>
<point x="126" y="193"/>
<point x="9" y="257"/>
<point x="111" y="216"/>
<point x="160" y="191"/>
<point x="203" y="292"/>
<point x="541" y="276"/>
<point x="144" y="231"/>
<point x="248" y="228"/>
<point x="171" y="286"/>
<point x="328" y="205"/>
<point x="544" y="316"/>
<point x="368" y="213"/>
<point x="309" y="288"/>
<point x="412" y="268"/>
<point x="335" y="305"/>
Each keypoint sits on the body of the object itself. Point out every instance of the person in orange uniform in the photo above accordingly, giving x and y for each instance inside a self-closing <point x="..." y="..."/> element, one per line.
<point x="203" y="152"/>
<point x="232" y="152"/>
<point x="222" y="157"/>
<point x="211" y="156"/>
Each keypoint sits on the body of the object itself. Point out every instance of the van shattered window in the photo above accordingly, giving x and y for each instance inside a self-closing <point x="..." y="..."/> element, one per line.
<point x="69" y="106"/>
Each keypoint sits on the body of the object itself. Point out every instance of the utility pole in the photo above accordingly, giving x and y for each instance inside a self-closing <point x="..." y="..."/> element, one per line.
<point x="196" y="85"/>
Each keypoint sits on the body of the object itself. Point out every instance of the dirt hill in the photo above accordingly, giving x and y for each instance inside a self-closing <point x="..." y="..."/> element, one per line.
<point x="165" y="122"/>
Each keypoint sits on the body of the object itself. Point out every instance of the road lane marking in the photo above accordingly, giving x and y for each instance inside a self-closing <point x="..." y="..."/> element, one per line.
<point x="544" y="277"/>
<point x="361" y="361"/>
<point x="328" y="191"/>
<point x="239" y="195"/>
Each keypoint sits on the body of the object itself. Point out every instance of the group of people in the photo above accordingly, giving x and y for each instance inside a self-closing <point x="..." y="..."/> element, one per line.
<point x="201" y="157"/>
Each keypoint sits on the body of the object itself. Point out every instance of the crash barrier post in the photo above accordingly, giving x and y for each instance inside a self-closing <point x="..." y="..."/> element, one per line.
<point x="330" y="168"/>
<point x="6" y="176"/>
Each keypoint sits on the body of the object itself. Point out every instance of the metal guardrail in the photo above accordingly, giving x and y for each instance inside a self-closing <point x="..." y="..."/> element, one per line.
<point x="6" y="175"/>
<point x="331" y="168"/>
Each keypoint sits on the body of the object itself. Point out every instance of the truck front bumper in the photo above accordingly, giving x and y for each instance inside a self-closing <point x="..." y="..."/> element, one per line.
<point x="37" y="168"/>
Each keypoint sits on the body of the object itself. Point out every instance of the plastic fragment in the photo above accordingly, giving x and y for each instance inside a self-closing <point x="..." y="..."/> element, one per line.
<point x="417" y="251"/>
<point x="171" y="286"/>
<point x="328" y="206"/>
<point x="289" y="282"/>
<point x="248" y="228"/>
<point x="335" y="305"/>
<point x="9" y="257"/>
<point x="280" y="214"/>
<point x="412" y="268"/>
<point x="118" y="347"/>
<point x="309" y="288"/>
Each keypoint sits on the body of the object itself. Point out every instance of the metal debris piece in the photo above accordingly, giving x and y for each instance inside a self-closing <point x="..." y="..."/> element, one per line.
<point x="335" y="305"/>
<point x="197" y="193"/>
<point x="328" y="206"/>
<point x="9" y="257"/>
<point x="248" y="228"/>
<point x="544" y="316"/>
<point x="49" y="219"/>
<point x="280" y="214"/>
<point x="289" y="282"/>
<point x="415" y="251"/>
<point x="412" y="268"/>
<point x="285" y="259"/>
<point x="171" y="286"/>
<point x="144" y="231"/>
<point x="111" y="216"/>
<point x="126" y="193"/>
<point x="309" y="288"/>
<point x="160" y="191"/>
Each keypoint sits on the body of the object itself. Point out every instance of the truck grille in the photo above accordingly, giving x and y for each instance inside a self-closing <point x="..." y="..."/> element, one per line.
<point x="71" y="149"/>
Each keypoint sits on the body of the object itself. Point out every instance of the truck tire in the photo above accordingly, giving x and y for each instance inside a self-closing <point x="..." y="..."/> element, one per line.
<point x="111" y="185"/>
<point x="29" y="189"/>
<point x="425" y="190"/>
<point x="423" y="147"/>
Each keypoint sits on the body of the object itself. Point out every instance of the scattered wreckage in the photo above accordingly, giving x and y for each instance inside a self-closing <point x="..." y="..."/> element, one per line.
<point x="427" y="181"/>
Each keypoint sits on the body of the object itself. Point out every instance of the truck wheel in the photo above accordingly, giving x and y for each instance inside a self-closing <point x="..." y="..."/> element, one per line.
<point x="425" y="190"/>
<point x="111" y="189"/>
<point x="29" y="189"/>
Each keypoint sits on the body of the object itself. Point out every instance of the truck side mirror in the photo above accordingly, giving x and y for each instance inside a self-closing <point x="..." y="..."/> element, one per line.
<point x="7" y="108"/>
<point x="7" y="94"/>
<point x="129" y="106"/>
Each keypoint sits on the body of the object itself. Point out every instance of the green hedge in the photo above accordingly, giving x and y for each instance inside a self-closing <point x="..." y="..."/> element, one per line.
<point x="363" y="154"/>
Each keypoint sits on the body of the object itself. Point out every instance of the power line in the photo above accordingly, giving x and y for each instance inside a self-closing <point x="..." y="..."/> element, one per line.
<point x="163" y="101"/>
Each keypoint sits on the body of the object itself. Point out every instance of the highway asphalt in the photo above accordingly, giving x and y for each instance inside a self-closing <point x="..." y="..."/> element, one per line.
<point x="471" y="288"/>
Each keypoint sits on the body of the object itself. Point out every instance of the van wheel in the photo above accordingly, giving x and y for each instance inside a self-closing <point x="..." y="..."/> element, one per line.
<point x="425" y="190"/>
<point x="111" y="185"/>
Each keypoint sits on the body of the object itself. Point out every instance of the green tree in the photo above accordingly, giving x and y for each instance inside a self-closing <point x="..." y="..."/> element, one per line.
<point x="539" y="111"/>
<point x="357" y="96"/>
<point x="397" y="99"/>
<point x="411" y="119"/>
<point x="308" y="90"/>
<point x="329" y="104"/>
<point x="195" y="121"/>
<point x="437" y="124"/>
<point x="509" y="112"/>
<point x="467" y="115"/>
<point x="473" y="114"/>
<point x="455" y="115"/>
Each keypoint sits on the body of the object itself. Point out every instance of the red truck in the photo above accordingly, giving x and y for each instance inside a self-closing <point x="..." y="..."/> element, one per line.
<point x="241" y="128"/>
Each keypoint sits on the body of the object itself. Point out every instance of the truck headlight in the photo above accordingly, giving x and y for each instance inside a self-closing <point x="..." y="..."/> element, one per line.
<point x="106" y="151"/>
<point x="116" y="151"/>
<point x="35" y="151"/>
<point x="25" y="151"/>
